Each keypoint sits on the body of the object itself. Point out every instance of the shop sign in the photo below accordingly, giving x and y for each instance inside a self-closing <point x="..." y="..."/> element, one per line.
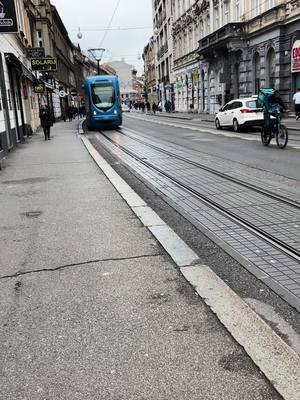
<point x="73" y="93"/>
<point x="44" y="64"/>
<point x="35" y="52"/>
<point x="39" y="88"/>
<point x="8" y="17"/>
<point x="295" y="62"/>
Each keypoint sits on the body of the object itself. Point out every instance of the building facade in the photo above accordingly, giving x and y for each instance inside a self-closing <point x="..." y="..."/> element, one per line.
<point x="19" y="105"/>
<point x="223" y="49"/>
<point x="131" y="85"/>
<point x="251" y="47"/>
<point x="39" y="26"/>
<point x="163" y="22"/>
<point x="149" y="72"/>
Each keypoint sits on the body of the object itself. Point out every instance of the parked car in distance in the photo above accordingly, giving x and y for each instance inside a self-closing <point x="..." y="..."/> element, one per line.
<point x="240" y="113"/>
<point x="125" y="108"/>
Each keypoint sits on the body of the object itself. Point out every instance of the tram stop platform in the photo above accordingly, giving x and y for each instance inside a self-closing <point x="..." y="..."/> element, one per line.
<point x="94" y="307"/>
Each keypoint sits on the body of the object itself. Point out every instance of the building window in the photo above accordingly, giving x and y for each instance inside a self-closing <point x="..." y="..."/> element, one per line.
<point x="271" y="68"/>
<point x="9" y="99"/>
<point x="237" y="10"/>
<point x="201" y="28"/>
<point x="271" y="3"/>
<point x="226" y="12"/>
<point x="40" y="41"/>
<point x="216" y="18"/>
<point x="256" y="7"/>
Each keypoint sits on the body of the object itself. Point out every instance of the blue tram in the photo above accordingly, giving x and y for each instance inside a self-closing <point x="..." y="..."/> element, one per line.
<point x="103" y="104"/>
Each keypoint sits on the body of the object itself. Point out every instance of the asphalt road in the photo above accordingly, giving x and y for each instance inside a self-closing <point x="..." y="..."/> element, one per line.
<point x="244" y="148"/>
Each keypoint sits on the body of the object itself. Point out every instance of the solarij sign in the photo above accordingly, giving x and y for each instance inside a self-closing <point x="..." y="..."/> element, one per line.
<point x="8" y="17"/>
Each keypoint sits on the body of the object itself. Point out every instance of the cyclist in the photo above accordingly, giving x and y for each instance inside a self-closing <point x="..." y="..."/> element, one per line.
<point x="272" y="106"/>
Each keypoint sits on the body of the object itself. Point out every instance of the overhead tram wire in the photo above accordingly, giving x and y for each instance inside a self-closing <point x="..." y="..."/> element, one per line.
<point x="110" y="22"/>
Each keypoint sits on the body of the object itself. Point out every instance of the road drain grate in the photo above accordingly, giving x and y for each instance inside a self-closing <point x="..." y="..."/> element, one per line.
<point x="33" y="214"/>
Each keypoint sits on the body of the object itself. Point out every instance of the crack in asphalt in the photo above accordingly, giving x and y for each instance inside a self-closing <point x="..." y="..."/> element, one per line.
<point x="61" y="267"/>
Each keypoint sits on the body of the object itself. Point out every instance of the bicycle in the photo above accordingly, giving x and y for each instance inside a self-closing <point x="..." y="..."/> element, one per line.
<point x="277" y="130"/>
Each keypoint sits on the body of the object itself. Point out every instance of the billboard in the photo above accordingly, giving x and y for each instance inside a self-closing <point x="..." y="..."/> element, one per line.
<point x="8" y="17"/>
<point x="295" y="61"/>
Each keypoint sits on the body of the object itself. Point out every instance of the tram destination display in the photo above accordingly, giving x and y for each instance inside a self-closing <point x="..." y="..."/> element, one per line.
<point x="44" y="64"/>
<point x="8" y="17"/>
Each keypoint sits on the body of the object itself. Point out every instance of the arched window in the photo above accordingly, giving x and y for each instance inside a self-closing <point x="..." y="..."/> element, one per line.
<point x="271" y="68"/>
<point x="256" y="72"/>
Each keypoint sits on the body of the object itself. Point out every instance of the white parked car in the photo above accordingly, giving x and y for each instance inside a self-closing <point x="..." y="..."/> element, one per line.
<point x="240" y="113"/>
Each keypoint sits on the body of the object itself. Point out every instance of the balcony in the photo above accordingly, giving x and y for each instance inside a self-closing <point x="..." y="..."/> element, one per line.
<point x="222" y="39"/>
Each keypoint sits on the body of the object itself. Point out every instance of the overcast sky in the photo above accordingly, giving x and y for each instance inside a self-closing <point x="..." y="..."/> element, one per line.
<point x="96" y="14"/>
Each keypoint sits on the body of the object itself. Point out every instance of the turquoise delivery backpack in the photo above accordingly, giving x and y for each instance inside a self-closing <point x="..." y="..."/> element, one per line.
<point x="263" y="96"/>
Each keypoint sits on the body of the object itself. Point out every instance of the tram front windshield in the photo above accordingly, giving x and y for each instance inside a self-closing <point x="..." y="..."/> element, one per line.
<point x="103" y="95"/>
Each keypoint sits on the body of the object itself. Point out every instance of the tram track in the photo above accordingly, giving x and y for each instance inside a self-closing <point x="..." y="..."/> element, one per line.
<point x="247" y="185"/>
<point x="271" y="239"/>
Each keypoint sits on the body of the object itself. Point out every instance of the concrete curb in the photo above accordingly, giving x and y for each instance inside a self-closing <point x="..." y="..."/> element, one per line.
<point x="279" y="363"/>
<point x="80" y="127"/>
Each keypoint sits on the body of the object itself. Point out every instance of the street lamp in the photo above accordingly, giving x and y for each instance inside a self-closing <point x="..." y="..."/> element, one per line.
<point x="97" y="55"/>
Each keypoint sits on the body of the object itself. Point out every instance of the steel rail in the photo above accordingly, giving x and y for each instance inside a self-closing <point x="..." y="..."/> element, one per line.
<point x="289" y="250"/>
<point x="218" y="173"/>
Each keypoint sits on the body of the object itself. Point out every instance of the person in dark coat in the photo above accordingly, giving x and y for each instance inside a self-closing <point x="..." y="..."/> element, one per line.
<point x="70" y="114"/>
<point x="148" y="106"/>
<point x="154" y="108"/>
<point x="46" y="121"/>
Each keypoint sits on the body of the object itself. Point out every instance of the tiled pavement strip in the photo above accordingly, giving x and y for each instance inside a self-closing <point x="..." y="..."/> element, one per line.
<point x="262" y="179"/>
<point x="277" y="269"/>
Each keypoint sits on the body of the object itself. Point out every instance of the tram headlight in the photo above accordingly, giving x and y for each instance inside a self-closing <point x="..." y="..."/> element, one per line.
<point x="95" y="113"/>
<point x="115" y="112"/>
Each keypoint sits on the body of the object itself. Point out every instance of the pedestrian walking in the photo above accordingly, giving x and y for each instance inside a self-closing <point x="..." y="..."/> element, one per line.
<point x="148" y="106"/>
<point x="70" y="114"/>
<point x="46" y="120"/>
<point x="154" y="107"/>
<point x="143" y="106"/>
<point x="296" y="99"/>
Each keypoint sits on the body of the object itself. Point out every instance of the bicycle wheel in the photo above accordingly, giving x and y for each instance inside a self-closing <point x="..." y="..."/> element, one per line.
<point x="266" y="137"/>
<point x="282" y="136"/>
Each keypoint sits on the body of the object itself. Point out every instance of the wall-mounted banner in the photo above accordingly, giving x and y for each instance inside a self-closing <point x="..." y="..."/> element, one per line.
<point x="35" y="52"/>
<point x="8" y="17"/>
<point x="44" y="64"/>
<point x="295" y="62"/>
